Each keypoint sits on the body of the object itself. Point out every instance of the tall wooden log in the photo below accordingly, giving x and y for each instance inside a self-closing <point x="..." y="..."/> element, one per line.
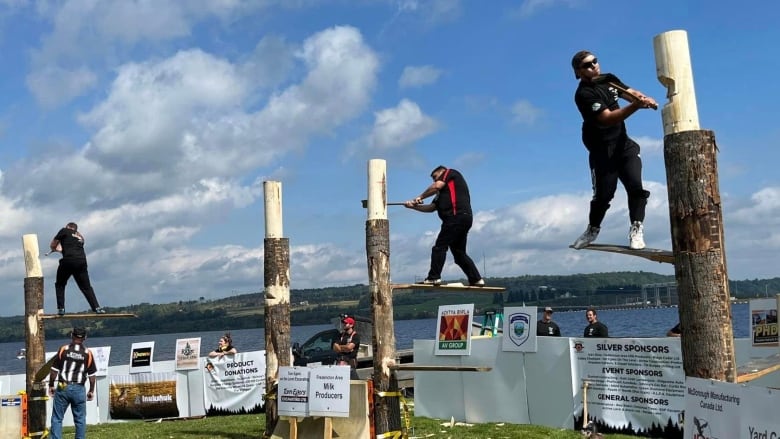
<point x="276" y="266"/>
<point x="35" y="339"/>
<point x="696" y="217"/>
<point x="387" y="411"/>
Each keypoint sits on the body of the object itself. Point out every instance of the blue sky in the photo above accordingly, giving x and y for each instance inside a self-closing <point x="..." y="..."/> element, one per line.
<point x="153" y="124"/>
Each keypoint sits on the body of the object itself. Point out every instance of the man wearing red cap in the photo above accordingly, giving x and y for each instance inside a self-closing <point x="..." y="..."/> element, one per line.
<point x="346" y="346"/>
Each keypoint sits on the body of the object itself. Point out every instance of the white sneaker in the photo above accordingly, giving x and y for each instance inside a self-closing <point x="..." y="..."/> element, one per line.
<point x="435" y="282"/>
<point x="636" y="237"/>
<point x="590" y="235"/>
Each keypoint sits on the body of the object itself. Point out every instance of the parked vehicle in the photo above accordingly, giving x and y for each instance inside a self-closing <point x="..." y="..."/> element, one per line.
<point x="318" y="349"/>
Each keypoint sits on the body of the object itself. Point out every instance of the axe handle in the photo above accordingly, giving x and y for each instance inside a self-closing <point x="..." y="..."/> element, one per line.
<point x="365" y="204"/>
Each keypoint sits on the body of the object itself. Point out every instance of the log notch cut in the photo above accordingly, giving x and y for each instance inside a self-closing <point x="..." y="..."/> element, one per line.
<point x="35" y="339"/>
<point x="696" y="216"/>
<point x="276" y="269"/>
<point x="387" y="409"/>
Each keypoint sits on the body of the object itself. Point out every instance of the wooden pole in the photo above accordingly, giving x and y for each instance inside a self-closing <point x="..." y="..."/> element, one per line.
<point x="387" y="409"/>
<point x="696" y="218"/>
<point x="276" y="265"/>
<point x="35" y="339"/>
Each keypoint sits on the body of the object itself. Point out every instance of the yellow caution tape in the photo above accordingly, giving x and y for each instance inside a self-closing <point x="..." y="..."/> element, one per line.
<point x="390" y="434"/>
<point x="387" y="394"/>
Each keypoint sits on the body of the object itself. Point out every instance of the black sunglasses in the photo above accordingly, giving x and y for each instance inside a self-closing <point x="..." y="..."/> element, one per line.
<point x="589" y="64"/>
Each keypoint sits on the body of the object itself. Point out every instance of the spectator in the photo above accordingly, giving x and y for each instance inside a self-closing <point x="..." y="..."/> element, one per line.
<point x="546" y="327"/>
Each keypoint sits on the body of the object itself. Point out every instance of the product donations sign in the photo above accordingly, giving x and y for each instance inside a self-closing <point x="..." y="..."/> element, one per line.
<point x="634" y="386"/>
<point x="234" y="383"/>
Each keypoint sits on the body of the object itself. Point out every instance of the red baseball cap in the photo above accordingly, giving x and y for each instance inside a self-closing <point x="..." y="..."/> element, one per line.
<point x="348" y="321"/>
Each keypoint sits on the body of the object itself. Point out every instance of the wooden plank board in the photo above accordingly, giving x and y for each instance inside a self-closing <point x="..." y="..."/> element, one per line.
<point x="758" y="368"/>
<point x="447" y="287"/>
<point x="653" y="254"/>
<point x="88" y="315"/>
<point x="420" y="368"/>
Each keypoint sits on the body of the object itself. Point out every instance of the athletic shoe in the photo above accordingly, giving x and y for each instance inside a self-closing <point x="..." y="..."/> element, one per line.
<point x="435" y="282"/>
<point x="590" y="235"/>
<point x="636" y="238"/>
<point x="100" y="311"/>
<point x="479" y="283"/>
<point x="61" y="311"/>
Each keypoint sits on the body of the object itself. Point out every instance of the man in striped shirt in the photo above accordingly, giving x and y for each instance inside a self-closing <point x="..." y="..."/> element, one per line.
<point x="73" y="366"/>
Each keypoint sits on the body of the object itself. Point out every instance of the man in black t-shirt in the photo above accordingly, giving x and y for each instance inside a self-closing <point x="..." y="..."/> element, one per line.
<point x="595" y="328"/>
<point x="73" y="263"/>
<point x="346" y="346"/>
<point x="452" y="202"/>
<point x="546" y="327"/>
<point x="613" y="155"/>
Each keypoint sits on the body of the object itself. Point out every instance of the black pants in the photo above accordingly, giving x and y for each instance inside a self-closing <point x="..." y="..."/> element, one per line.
<point x="453" y="235"/>
<point x="615" y="162"/>
<point x="78" y="269"/>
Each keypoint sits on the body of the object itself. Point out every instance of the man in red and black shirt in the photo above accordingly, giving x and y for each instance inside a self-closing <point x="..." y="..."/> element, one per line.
<point x="453" y="204"/>
<point x="73" y="366"/>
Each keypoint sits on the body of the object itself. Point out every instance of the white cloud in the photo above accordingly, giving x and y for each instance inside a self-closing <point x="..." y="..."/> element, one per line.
<point x="650" y="145"/>
<point x="532" y="7"/>
<point x="525" y="113"/>
<point x="400" y="126"/>
<point x="418" y="76"/>
<point x="53" y="85"/>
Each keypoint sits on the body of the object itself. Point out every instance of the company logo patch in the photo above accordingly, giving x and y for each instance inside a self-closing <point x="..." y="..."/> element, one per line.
<point x="595" y="106"/>
<point x="519" y="328"/>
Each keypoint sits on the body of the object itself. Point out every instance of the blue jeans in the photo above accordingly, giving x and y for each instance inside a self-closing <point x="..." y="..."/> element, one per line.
<point x="74" y="395"/>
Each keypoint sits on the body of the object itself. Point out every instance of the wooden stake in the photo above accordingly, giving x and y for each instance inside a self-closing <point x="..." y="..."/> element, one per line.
<point x="276" y="270"/>
<point x="387" y="410"/>
<point x="35" y="337"/>
<point x="673" y="67"/>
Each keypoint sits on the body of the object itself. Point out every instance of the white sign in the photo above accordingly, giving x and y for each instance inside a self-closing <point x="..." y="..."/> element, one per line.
<point x="711" y="408"/>
<point x="453" y="330"/>
<point x="759" y="413"/>
<point x="101" y="355"/>
<point x="519" y="329"/>
<point x="636" y="381"/>
<point x="293" y="391"/>
<point x="234" y="384"/>
<point x="187" y="353"/>
<point x="329" y="391"/>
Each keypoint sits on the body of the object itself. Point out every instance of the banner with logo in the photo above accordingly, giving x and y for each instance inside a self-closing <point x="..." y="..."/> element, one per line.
<point x="293" y="391"/>
<point x="234" y="384"/>
<point x="763" y="322"/>
<point x="712" y="409"/>
<point x="519" y="329"/>
<point x="101" y="355"/>
<point x="187" y="353"/>
<point x="634" y="386"/>
<point x="141" y="357"/>
<point x="143" y="396"/>
<point x="453" y="330"/>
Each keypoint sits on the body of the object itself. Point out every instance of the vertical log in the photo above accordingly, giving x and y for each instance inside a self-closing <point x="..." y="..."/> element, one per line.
<point x="387" y="411"/>
<point x="276" y="267"/>
<point x="35" y="339"/>
<point x="696" y="217"/>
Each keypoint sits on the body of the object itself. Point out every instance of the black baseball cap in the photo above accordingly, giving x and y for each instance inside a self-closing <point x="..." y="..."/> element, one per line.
<point x="577" y="60"/>
<point x="79" y="332"/>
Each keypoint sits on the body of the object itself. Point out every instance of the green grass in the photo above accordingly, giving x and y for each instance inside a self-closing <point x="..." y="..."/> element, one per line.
<point x="253" y="426"/>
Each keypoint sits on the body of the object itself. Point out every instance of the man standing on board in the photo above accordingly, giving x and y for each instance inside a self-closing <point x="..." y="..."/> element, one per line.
<point x="73" y="263"/>
<point x="612" y="155"/>
<point x="453" y="204"/>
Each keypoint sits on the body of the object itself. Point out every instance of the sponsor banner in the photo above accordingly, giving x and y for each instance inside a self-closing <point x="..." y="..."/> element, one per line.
<point x="141" y="357"/>
<point x="187" y="353"/>
<point x="759" y="413"/>
<point x="635" y="386"/>
<point x="234" y="384"/>
<point x="293" y="391"/>
<point x="453" y="330"/>
<point x="763" y="322"/>
<point x="329" y="391"/>
<point x="711" y="409"/>
<point x="519" y="329"/>
<point x="143" y="396"/>
<point x="101" y="355"/>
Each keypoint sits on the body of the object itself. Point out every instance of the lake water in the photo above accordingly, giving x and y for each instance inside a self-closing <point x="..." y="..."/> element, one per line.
<point x="645" y="322"/>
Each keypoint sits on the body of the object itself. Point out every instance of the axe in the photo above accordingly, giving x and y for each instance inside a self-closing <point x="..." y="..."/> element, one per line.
<point x="613" y="81"/>
<point x="365" y="204"/>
